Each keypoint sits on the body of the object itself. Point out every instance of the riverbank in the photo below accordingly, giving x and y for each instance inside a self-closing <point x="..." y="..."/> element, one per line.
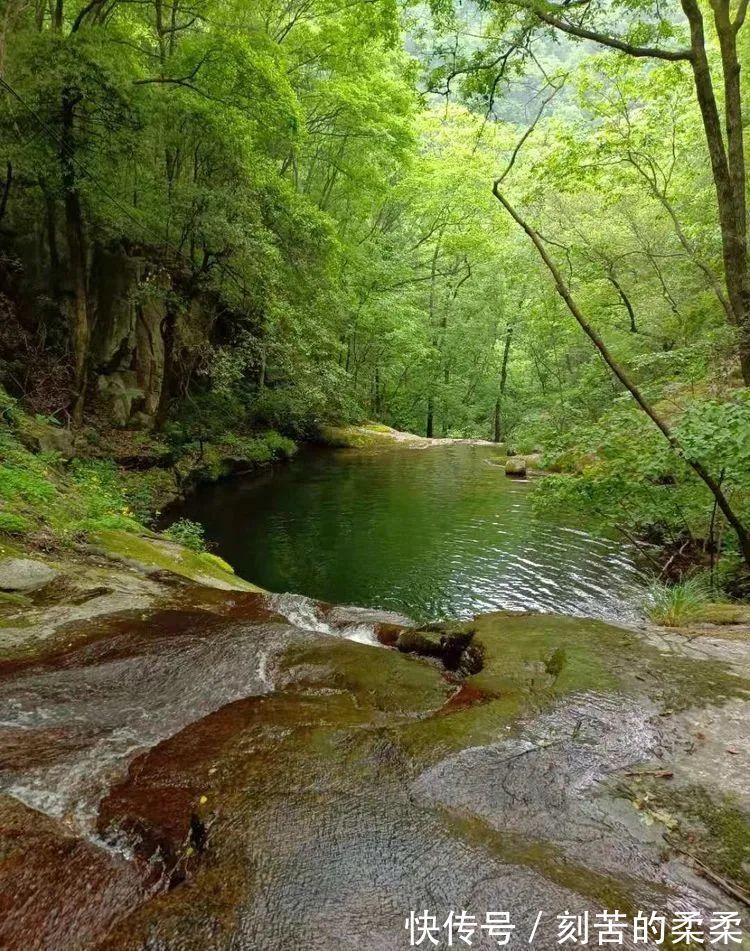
<point x="377" y="435"/>
<point x="191" y="761"/>
<point x="184" y="764"/>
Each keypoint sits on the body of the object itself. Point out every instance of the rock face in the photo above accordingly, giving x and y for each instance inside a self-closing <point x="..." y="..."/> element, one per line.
<point x="451" y="643"/>
<point x="54" y="439"/>
<point x="279" y="786"/>
<point x="24" y="574"/>
<point x="121" y="391"/>
<point x="127" y="342"/>
<point x="515" y="467"/>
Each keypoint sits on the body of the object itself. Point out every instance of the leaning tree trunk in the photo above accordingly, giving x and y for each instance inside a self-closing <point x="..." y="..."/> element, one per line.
<point x="740" y="530"/>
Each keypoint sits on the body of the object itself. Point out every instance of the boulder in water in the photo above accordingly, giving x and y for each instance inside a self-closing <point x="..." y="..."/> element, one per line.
<point x="515" y="467"/>
<point x="451" y="643"/>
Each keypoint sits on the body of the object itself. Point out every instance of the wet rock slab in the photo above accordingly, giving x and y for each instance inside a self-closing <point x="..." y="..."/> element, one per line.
<point x="253" y="772"/>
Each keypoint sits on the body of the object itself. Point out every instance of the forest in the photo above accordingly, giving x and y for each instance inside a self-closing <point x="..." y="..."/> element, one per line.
<point x="226" y="225"/>
<point x="374" y="474"/>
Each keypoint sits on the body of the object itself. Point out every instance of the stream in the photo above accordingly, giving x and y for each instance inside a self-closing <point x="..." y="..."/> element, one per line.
<point x="224" y="770"/>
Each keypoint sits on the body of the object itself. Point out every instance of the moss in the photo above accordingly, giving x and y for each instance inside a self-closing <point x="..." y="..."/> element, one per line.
<point x="16" y="623"/>
<point x="379" y="428"/>
<point x="528" y="662"/>
<point x="392" y="682"/>
<point x="349" y="437"/>
<point x="531" y="661"/>
<point x="517" y="652"/>
<point x="724" y="613"/>
<point x="13" y="524"/>
<point x="606" y="890"/>
<point x="713" y="830"/>
<point x="11" y="599"/>
<point x="368" y="436"/>
<point x="211" y="559"/>
<point x="158" y="554"/>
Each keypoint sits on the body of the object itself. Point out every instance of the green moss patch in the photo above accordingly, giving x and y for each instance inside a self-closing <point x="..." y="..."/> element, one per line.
<point x="369" y="436"/>
<point x="724" y="614"/>
<point x="530" y="661"/>
<point x="712" y="830"/>
<point x="157" y="554"/>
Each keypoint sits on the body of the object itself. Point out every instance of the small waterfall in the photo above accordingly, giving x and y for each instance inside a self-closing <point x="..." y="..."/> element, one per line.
<point x="354" y="624"/>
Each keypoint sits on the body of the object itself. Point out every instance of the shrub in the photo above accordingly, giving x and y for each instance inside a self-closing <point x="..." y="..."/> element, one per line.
<point x="280" y="446"/>
<point x="188" y="533"/>
<point x="148" y="492"/>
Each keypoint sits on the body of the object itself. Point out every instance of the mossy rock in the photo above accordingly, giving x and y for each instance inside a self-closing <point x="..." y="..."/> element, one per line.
<point x="516" y="467"/>
<point x="12" y="600"/>
<point x="157" y="554"/>
<point x="349" y="437"/>
<point x="711" y="827"/>
<point x="449" y="642"/>
<point x="367" y="436"/>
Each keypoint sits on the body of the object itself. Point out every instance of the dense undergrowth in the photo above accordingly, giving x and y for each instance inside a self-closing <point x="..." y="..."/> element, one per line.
<point x="45" y="496"/>
<point x="623" y="473"/>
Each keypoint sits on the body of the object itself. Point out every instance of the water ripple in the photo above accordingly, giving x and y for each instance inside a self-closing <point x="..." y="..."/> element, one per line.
<point x="429" y="534"/>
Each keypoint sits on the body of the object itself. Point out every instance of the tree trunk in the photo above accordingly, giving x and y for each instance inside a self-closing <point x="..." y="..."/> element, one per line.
<point x="6" y="189"/>
<point x="742" y="533"/>
<point x="78" y="309"/>
<point x="430" y="428"/>
<point x="168" y="328"/>
<point x="262" y="371"/>
<point x="498" y="433"/>
<point x="497" y="429"/>
<point x="377" y="394"/>
<point x="727" y="164"/>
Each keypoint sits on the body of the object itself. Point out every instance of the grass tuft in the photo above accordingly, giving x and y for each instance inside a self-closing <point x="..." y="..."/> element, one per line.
<point x="678" y="604"/>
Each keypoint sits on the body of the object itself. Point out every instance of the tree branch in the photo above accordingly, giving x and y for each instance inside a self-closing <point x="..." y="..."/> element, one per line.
<point x="603" y="39"/>
<point x="740" y="17"/>
<point x="743" y="536"/>
<point x="78" y="22"/>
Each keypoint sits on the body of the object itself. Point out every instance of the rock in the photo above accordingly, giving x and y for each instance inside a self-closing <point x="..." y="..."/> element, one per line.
<point x="516" y="467"/>
<point x="120" y="390"/>
<point x="25" y="574"/>
<point x="451" y="643"/>
<point x="56" y="440"/>
<point x="533" y="460"/>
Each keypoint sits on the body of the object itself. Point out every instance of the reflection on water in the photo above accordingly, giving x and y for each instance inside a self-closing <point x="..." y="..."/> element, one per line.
<point x="439" y="532"/>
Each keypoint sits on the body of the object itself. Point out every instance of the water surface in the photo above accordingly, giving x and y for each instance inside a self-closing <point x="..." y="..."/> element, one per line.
<point x="437" y="532"/>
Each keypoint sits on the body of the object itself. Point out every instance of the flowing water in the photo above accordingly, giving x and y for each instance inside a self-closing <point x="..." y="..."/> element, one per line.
<point x="430" y="533"/>
<point x="232" y="771"/>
